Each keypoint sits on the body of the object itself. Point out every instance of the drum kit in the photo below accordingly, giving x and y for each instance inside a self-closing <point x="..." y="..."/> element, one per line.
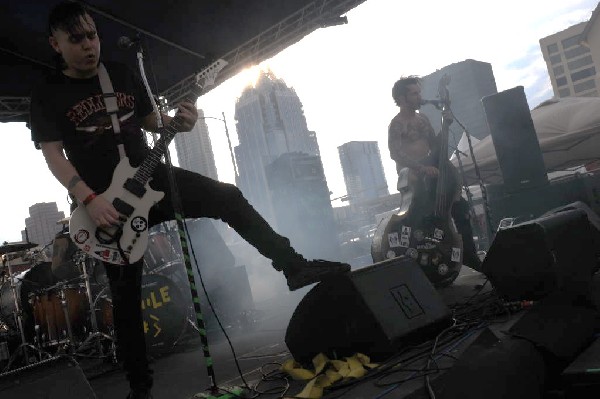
<point x="65" y="306"/>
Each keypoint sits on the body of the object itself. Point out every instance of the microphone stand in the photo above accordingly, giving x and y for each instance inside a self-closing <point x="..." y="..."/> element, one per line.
<point x="486" y="206"/>
<point x="181" y="230"/>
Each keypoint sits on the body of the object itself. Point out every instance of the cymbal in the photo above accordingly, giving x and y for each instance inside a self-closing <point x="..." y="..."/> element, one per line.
<point x="10" y="247"/>
<point x="64" y="220"/>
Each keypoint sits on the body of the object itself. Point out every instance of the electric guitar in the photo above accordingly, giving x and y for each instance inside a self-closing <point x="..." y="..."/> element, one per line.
<point x="132" y="197"/>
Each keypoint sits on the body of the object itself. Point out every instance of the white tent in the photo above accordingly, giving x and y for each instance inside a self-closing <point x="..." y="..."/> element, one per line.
<point x="568" y="131"/>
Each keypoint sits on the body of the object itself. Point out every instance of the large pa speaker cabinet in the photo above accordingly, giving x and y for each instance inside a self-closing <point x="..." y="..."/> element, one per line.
<point x="528" y="261"/>
<point x="372" y="310"/>
<point x="56" y="378"/>
<point x="516" y="143"/>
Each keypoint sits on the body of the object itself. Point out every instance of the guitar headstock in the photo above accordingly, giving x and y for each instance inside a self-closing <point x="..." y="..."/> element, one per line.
<point x="208" y="75"/>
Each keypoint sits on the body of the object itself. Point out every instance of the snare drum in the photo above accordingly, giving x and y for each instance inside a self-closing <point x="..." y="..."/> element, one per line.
<point x="51" y="314"/>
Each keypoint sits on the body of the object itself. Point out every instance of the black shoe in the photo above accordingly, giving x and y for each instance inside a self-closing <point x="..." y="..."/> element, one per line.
<point x="139" y="394"/>
<point x="303" y="272"/>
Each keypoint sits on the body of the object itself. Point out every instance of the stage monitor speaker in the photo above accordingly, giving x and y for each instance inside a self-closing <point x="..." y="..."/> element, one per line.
<point x="56" y="378"/>
<point x="515" y="140"/>
<point x="372" y="310"/>
<point x="528" y="261"/>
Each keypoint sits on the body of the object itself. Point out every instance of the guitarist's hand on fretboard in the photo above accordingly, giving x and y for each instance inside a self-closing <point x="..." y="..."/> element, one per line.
<point x="186" y="117"/>
<point x="102" y="212"/>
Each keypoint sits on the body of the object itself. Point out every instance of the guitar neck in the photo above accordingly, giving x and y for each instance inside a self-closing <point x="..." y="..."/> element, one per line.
<point x="167" y="133"/>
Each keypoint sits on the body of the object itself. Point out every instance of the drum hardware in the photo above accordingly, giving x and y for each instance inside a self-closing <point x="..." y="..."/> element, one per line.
<point x="18" y="312"/>
<point x="82" y="259"/>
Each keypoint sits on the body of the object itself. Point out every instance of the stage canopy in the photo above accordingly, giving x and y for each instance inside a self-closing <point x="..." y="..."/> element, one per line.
<point x="180" y="37"/>
<point x="568" y="130"/>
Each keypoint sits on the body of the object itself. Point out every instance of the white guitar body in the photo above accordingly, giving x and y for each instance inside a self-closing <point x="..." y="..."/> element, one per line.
<point x="134" y="238"/>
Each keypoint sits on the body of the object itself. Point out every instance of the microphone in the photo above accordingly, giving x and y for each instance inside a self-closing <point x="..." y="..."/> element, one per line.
<point x="125" y="42"/>
<point x="436" y="103"/>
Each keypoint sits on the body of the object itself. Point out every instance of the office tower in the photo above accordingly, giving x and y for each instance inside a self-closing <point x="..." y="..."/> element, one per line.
<point x="470" y="81"/>
<point x="270" y="122"/>
<point x="570" y="62"/>
<point x="363" y="171"/>
<point x="41" y="225"/>
<point x="301" y="204"/>
<point x="194" y="149"/>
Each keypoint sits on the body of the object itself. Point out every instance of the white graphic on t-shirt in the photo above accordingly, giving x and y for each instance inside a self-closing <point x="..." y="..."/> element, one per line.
<point x="94" y="129"/>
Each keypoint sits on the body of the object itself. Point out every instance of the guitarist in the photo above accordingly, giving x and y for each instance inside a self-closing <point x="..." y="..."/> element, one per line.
<point x="411" y="138"/>
<point x="70" y="124"/>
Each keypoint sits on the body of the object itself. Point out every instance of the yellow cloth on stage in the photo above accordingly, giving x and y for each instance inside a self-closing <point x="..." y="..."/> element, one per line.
<point x="326" y="372"/>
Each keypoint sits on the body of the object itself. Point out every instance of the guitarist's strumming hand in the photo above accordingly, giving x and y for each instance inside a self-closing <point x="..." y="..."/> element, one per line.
<point x="102" y="212"/>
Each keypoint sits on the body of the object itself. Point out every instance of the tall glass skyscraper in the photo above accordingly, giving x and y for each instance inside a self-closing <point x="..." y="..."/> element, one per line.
<point x="194" y="149"/>
<point x="270" y="122"/>
<point x="363" y="171"/>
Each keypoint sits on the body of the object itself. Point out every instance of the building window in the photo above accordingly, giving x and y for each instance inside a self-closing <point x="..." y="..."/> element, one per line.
<point x="552" y="48"/>
<point x="576" y="52"/>
<point x="584" y="73"/>
<point x="583" y="86"/>
<point x="585" y="61"/>
<point x="571" y="41"/>
<point x="559" y="70"/>
<point x="562" y="81"/>
<point x="564" y="92"/>
<point x="555" y="59"/>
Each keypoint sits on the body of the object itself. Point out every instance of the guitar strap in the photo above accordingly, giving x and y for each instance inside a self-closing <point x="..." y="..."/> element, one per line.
<point x="110" y="100"/>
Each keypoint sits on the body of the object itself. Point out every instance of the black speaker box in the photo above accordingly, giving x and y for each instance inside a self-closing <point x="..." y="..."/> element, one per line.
<point x="515" y="140"/>
<point x="526" y="204"/>
<point x="528" y="261"/>
<point x="373" y="310"/>
<point x="56" y="378"/>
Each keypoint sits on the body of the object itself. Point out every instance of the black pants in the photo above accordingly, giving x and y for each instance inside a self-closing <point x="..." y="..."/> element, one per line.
<point x="200" y="197"/>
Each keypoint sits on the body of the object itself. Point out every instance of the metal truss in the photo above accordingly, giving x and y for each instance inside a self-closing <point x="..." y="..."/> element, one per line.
<point x="14" y="109"/>
<point x="317" y="14"/>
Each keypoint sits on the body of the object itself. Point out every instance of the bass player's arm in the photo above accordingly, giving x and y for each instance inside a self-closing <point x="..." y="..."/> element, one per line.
<point x="101" y="211"/>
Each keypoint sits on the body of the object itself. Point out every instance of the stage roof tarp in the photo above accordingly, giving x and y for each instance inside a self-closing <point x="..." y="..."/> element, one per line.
<point x="568" y="130"/>
<point x="180" y="37"/>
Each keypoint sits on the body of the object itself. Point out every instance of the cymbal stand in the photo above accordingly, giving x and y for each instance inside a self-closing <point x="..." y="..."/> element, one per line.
<point x="18" y="312"/>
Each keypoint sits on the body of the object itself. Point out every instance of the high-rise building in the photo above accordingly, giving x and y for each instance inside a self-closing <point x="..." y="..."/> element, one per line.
<point x="41" y="225"/>
<point x="363" y="171"/>
<point x="570" y="64"/>
<point x="591" y="39"/>
<point x="194" y="149"/>
<point x="302" y="206"/>
<point x="270" y="122"/>
<point x="470" y="81"/>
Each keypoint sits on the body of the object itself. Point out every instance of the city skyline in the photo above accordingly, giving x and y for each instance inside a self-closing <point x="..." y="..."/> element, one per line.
<point x="344" y="75"/>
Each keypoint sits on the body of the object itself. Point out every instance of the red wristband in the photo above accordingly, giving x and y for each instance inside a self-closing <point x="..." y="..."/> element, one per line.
<point x="89" y="198"/>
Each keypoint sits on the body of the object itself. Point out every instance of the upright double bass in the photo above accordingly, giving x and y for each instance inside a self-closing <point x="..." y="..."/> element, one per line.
<point x="423" y="228"/>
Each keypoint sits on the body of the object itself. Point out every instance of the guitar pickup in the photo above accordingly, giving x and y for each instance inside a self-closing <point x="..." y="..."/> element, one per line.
<point x="135" y="187"/>
<point x="123" y="207"/>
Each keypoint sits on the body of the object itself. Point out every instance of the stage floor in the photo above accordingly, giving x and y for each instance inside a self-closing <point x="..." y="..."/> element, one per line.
<point x="259" y="347"/>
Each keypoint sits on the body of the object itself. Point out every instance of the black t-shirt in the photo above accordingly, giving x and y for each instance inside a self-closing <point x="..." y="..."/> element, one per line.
<point x="73" y="111"/>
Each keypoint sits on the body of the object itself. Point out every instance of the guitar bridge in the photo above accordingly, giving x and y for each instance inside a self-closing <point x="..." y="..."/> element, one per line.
<point x="135" y="187"/>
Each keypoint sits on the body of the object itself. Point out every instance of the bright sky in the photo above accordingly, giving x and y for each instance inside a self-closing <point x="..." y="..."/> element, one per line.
<point x="343" y="76"/>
